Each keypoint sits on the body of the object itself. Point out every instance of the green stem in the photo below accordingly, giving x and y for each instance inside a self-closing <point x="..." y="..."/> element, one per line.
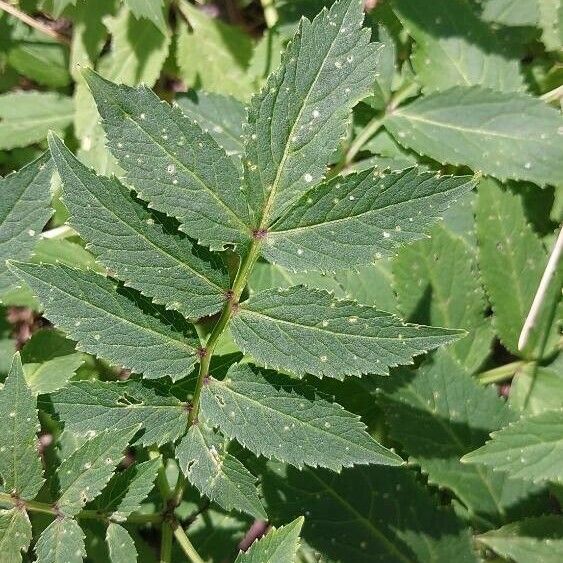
<point x="166" y="543"/>
<point x="186" y="545"/>
<point x="501" y="373"/>
<point x="366" y="134"/>
<point x="270" y="13"/>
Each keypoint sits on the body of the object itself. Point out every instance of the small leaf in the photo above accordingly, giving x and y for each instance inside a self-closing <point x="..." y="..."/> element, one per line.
<point x="15" y="534"/>
<point x="162" y="266"/>
<point x="24" y="210"/>
<point x="120" y="544"/>
<point x="535" y="389"/>
<point x="279" y="545"/>
<point x="108" y="323"/>
<point x="83" y="475"/>
<point x="273" y="416"/>
<point x="61" y="542"/>
<point x="217" y="474"/>
<point x="354" y="220"/>
<point x="89" y="407"/>
<point x="551" y="23"/>
<point x="531" y="448"/>
<point x="126" y="490"/>
<point x="26" y="117"/>
<point x="528" y="541"/>
<point x="307" y="331"/>
<point x="150" y="9"/>
<point x="504" y="135"/>
<point x="20" y="465"/>
<point x="297" y="121"/>
<point x="171" y="163"/>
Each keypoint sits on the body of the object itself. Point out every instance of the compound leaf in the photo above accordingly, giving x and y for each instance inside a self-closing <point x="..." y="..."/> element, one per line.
<point x="506" y="135"/>
<point x="207" y="464"/>
<point x="305" y="330"/>
<point x="89" y="407"/>
<point x="108" y="323"/>
<point x="122" y="234"/>
<point x="20" y="465"/>
<point x="273" y="416"/>
<point x="24" y="210"/>
<point x="83" y="475"/>
<point x="355" y="219"/>
<point x="531" y="448"/>
<point x="61" y="542"/>
<point x="172" y="163"/>
<point x="15" y="534"/>
<point x="279" y="545"/>
<point x="298" y="119"/>
<point x="120" y="544"/>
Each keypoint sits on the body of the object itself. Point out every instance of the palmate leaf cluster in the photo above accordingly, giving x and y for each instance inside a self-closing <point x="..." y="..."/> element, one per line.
<point x="248" y="301"/>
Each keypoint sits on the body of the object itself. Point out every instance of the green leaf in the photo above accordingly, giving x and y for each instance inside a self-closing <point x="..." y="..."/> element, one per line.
<point x="455" y="48"/>
<point x="64" y="251"/>
<point x="437" y="282"/>
<point x="273" y="416"/>
<point x="214" y="54"/>
<point x="120" y="544"/>
<point x="511" y="12"/>
<point x="220" y="116"/>
<point x="355" y="219"/>
<point x="150" y="9"/>
<point x="386" y="70"/>
<point x="308" y="331"/>
<point x="504" y="135"/>
<point x="50" y="361"/>
<point x="172" y="163"/>
<point x="297" y="121"/>
<point x="15" y="534"/>
<point x="82" y="476"/>
<point x="367" y="511"/>
<point x="24" y="210"/>
<point x="528" y="541"/>
<point x="537" y="389"/>
<point x="20" y="465"/>
<point x="60" y="5"/>
<point x="61" y="542"/>
<point x="108" y="322"/>
<point x="551" y="23"/>
<point x="203" y="457"/>
<point x="89" y="407"/>
<point x="42" y="61"/>
<point x="511" y="258"/>
<point x="122" y="234"/>
<point x="531" y="448"/>
<point x="126" y="490"/>
<point x="441" y="413"/>
<point x="25" y="117"/>
<point x="277" y="546"/>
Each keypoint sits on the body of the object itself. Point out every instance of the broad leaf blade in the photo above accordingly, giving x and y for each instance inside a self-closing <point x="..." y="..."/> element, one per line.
<point x="24" y="210"/>
<point x="441" y="413"/>
<point x="89" y="407"/>
<point x="204" y="460"/>
<point x="279" y="545"/>
<point x="307" y="331"/>
<point x="120" y="544"/>
<point x="504" y="135"/>
<point x="20" y="465"/>
<point x="105" y="322"/>
<point x="454" y="47"/>
<point x="171" y="163"/>
<point x="15" y="534"/>
<point x="363" y="511"/>
<point x="296" y="122"/>
<point x="83" y="475"/>
<point x="149" y="9"/>
<point x="273" y="416"/>
<point x="122" y="234"/>
<point x="61" y="542"/>
<point x="529" y="540"/>
<point x="531" y="448"/>
<point x="355" y="219"/>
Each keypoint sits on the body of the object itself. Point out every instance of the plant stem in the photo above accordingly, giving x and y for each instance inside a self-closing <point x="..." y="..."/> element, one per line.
<point x="501" y="373"/>
<point x="367" y="133"/>
<point x="553" y="95"/>
<point x="270" y="13"/>
<point x="186" y="545"/>
<point x="166" y="543"/>
<point x="12" y="10"/>
<point x="230" y="306"/>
